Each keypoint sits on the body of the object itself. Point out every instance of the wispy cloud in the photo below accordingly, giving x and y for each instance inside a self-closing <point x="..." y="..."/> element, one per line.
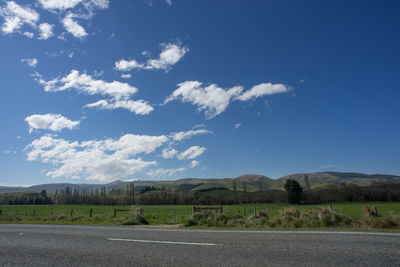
<point x="170" y="55"/>
<point x="15" y="16"/>
<point x="31" y="62"/>
<point x="87" y="84"/>
<point x="180" y="136"/>
<point x="139" y="107"/>
<point x="73" y="27"/>
<point x="191" y="153"/>
<point x="214" y="100"/>
<point x="237" y="126"/>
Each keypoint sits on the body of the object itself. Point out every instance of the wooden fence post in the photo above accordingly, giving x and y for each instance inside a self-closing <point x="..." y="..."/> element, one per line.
<point x="91" y="213"/>
<point x="72" y="212"/>
<point x="115" y="213"/>
<point x="1" y="211"/>
<point x="34" y="212"/>
<point x="175" y="215"/>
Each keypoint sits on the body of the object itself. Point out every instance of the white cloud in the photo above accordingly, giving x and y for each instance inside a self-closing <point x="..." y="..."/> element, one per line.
<point x="59" y="4"/>
<point x="194" y="164"/>
<point x="87" y="84"/>
<point x="213" y="99"/>
<point x="169" y="2"/>
<point x="126" y="65"/>
<point x="32" y="62"/>
<point x="179" y="136"/>
<point x="162" y="173"/>
<point x="73" y="27"/>
<point x="46" y="31"/>
<point x="28" y="34"/>
<point x="139" y="107"/>
<point x="237" y="126"/>
<point x="62" y="5"/>
<point x="102" y="160"/>
<point x="192" y="152"/>
<point x="126" y="76"/>
<point x="16" y="16"/>
<point x="263" y="89"/>
<point x="169" y="56"/>
<point x="169" y="153"/>
<point x="53" y="122"/>
<point x="202" y="125"/>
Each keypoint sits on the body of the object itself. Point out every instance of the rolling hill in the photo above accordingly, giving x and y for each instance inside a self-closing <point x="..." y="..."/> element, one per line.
<point x="252" y="182"/>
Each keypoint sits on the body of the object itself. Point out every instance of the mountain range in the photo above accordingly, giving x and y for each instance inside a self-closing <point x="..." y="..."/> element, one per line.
<point x="252" y="182"/>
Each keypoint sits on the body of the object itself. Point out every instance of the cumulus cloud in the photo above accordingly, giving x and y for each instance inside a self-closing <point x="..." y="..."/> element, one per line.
<point x="214" y="100"/>
<point x="162" y="173"/>
<point x="237" y="126"/>
<point x="179" y="136"/>
<point x="87" y="84"/>
<point x="15" y="16"/>
<point x="169" y="153"/>
<point x="53" y="122"/>
<point x="46" y="31"/>
<point x="194" y="164"/>
<point x="191" y="153"/>
<point x="62" y="5"/>
<point x="118" y="92"/>
<point x="170" y="55"/>
<point x="139" y="107"/>
<point x="262" y="90"/>
<point x="102" y="160"/>
<point x="126" y="76"/>
<point x="32" y="62"/>
<point x="126" y="65"/>
<point x="73" y="27"/>
<point x="28" y="34"/>
<point x="59" y="4"/>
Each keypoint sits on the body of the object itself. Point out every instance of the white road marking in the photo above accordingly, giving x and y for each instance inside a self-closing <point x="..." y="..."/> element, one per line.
<point x="163" y="242"/>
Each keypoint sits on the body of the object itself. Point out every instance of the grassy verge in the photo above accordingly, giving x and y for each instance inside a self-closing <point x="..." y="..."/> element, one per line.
<point x="345" y="216"/>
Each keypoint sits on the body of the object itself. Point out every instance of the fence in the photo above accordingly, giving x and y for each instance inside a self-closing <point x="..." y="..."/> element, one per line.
<point x="154" y="215"/>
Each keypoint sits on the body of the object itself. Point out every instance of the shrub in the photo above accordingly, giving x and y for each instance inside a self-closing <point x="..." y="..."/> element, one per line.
<point x="135" y="220"/>
<point x="371" y="211"/>
<point x="290" y="212"/>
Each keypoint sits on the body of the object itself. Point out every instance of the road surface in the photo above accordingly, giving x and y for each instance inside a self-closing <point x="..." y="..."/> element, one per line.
<point x="56" y="245"/>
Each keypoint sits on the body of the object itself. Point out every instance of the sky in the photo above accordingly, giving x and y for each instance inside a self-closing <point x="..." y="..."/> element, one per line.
<point x="97" y="90"/>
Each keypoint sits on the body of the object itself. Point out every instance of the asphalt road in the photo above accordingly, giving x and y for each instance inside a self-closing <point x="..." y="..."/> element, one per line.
<point x="52" y="245"/>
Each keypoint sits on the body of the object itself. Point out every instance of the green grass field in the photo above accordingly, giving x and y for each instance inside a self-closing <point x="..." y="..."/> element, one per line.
<point x="163" y="214"/>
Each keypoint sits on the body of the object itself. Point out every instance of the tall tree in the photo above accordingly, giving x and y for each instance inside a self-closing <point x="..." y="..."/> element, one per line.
<point x="235" y="191"/>
<point x="307" y="182"/>
<point x="294" y="191"/>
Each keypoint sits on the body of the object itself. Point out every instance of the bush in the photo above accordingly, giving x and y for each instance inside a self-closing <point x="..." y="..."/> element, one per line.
<point x="135" y="220"/>
<point x="371" y="211"/>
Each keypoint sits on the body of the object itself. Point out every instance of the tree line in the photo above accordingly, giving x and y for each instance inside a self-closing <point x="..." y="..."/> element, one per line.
<point x="152" y="195"/>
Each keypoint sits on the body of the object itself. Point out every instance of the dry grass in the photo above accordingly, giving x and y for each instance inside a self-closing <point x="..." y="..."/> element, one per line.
<point x="295" y="218"/>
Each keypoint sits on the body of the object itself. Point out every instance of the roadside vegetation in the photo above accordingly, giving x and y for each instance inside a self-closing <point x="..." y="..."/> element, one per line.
<point x="372" y="215"/>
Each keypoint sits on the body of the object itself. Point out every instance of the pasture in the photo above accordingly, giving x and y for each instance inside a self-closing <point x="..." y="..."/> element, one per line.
<point x="163" y="214"/>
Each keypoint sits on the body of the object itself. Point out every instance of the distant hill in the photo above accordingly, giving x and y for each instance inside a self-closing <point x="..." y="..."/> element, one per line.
<point x="5" y="189"/>
<point x="254" y="182"/>
<point x="326" y="178"/>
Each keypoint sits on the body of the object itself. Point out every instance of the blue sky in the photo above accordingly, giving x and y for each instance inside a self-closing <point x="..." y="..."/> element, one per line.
<point x="98" y="90"/>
